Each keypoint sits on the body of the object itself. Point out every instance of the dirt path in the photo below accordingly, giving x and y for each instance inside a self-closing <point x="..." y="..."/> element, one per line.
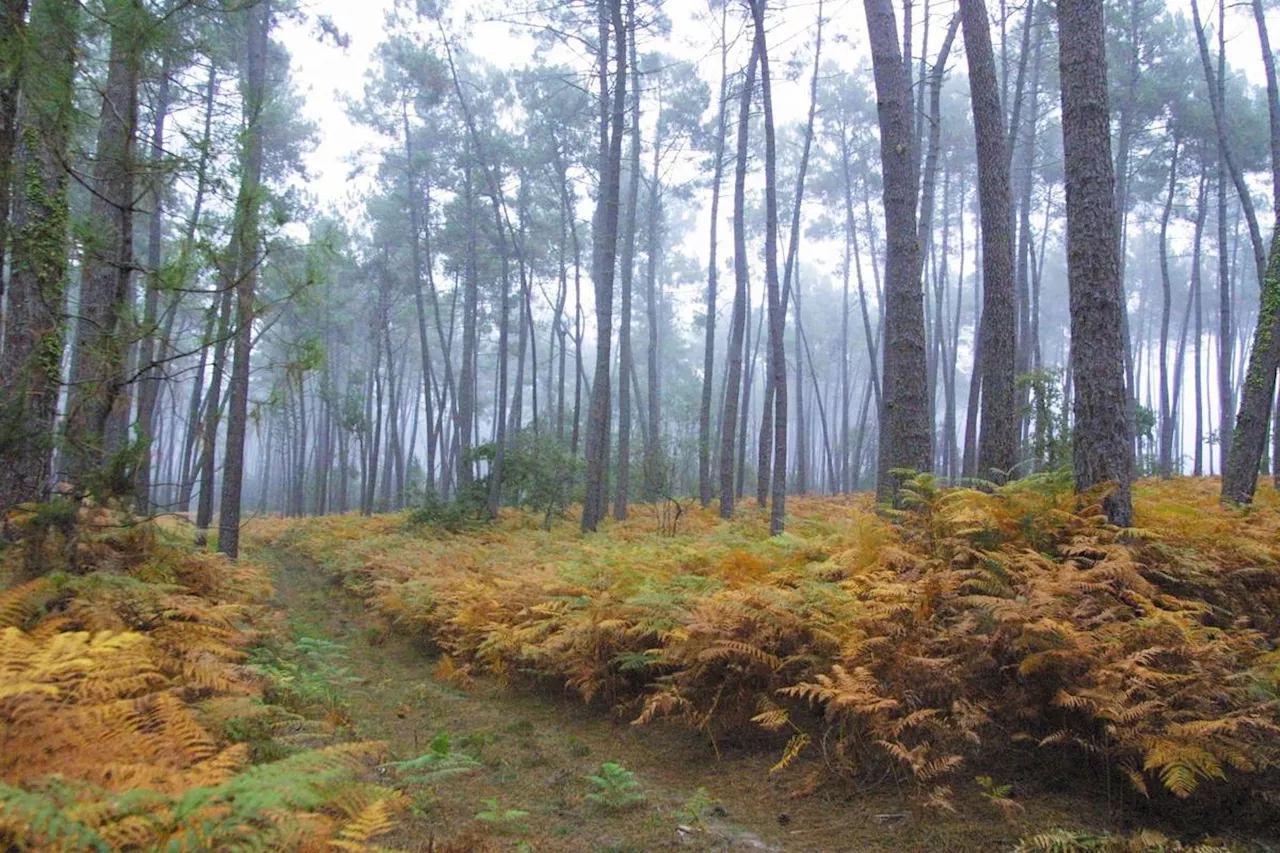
<point x="536" y="752"/>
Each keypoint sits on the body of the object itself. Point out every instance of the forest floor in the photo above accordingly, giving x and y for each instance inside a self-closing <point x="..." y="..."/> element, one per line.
<point x="537" y="750"/>
<point x="975" y="671"/>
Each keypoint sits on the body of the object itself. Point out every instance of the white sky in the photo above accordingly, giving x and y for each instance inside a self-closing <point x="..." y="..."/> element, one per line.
<point x="325" y="72"/>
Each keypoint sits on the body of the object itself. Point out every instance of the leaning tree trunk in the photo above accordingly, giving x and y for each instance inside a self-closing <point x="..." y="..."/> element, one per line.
<point x="1249" y="441"/>
<point x="245" y="236"/>
<point x="998" y="434"/>
<point x="906" y="436"/>
<point x="1103" y="440"/>
<point x="31" y="361"/>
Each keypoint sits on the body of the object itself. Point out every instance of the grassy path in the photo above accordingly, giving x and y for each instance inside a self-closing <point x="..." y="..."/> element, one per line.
<point x="537" y="751"/>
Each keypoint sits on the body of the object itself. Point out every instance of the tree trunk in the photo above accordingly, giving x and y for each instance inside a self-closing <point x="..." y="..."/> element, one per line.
<point x="705" y="487"/>
<point x="149" y="385"/>
<point x="31" y="362"/>
<point x="1103" y="440"/>
<point x="245" y="236"/>
<point x="654" y="478"/>
<point x="1248" y="444"/>
<point x="1166" y="312"/>
<point x="604" y="257"/>
<point x="626" y="271"/>
<point x="470" y="308"/>
<point x="998" y="435"/>
<point x="738" y="321"/>
<point x="13" y="25"/>
<point x="777" y="361"/>
<point x="98" y="402"/>
<point x="906" y="436"/>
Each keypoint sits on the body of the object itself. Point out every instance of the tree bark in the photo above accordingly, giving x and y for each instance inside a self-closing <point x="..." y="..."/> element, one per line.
<point x="705" y="487"/>
<point x="906" y="436"/>
<point x="777" y="361"/>
<point x="1165" y="462"/>
<point x="998" y="435"/>
<point x="1249" y="442"/>
<point x="245" y="238"/>
<point x="31" y="361"/>
<point x="604" y="255"/>
<point x="149" y="384"/>
<point x="13" y="25"/>
<point x="738" y="321"/>
<point x="1103" y="440"/>
<point x="98" y="402"/>
<point x="626" y="271"/>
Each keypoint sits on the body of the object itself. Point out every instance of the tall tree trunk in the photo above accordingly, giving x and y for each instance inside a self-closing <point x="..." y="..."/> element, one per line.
<point x="98" y="402"/>
<point x="1248" y="443"/>
<point x="149" y="384"/>
<point x="654" y="477"/>
<point x="777" y="361"/>
<point x="31" y="361"/>
<point x="998" y="436"/>
<point x="1103" y="440"/>
<point x="1166" y="312"/>
<point x="470" y="308"/>
<point x="604" y="254"/>
<point x="626" y="271"/>
<point x="738" y="321"/>
<point x="213" y="412"/>
<point x="705" y="487"/>
<point x="417" y="262"/>
<point x="906" y="436"/>
<point x="13" y="25"/>
<point x="1197" y="454"/>
<point x="245" y="237"/>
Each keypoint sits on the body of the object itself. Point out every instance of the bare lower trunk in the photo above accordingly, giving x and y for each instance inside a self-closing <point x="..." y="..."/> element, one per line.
<point x="906" y="437"/>
<point x="245" y="237"/>
<point x="738" y="321"/>
<point x="1103" y="438"/>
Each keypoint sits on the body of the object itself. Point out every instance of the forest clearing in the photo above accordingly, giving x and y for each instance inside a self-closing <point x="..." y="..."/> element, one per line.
<point x="973" y="671"/>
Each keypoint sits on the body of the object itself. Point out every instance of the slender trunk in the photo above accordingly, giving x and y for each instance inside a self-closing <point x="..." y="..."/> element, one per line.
<point x="705" y="487"/>
<point x="213" y="413"/>
<point x="738" y="321"/>
<point x="777" y="361"/>
<point x="150" y="381"/>
<point x="1166" y="312"/>
<point x="604" y="258"/>
<point x="245" y="239"/>
<point x="626" y="272"/>
<point x="654" y="479"/>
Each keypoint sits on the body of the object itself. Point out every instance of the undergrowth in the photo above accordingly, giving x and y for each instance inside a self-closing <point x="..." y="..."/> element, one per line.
<point x="968" y="628"/>
<point x="130" y="720"/>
